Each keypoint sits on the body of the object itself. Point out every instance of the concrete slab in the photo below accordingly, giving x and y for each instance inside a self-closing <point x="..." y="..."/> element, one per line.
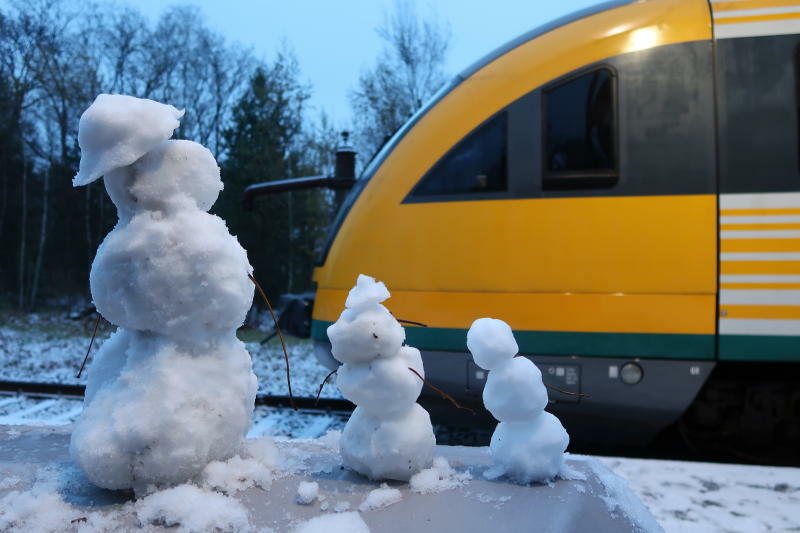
<point x="593" y="499"/>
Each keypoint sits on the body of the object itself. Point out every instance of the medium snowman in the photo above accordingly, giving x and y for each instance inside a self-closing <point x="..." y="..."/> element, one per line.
<point x="389" y="435"/>
<point x="173" y="388"/>
<point x="528" y="444"/>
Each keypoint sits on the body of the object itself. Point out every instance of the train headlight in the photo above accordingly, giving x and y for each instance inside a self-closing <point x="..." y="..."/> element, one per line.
<point x="631" y="373"/>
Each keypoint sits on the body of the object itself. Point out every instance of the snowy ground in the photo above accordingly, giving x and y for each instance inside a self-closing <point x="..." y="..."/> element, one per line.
<point x="704" y="497"/>
<point x="684" y="497"/>
<point x="49" y="348"/>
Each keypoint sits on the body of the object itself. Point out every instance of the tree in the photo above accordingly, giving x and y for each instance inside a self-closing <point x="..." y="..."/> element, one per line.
<point x="56" y="56"/>
<point x="408" y="71"/>
<point x="266" y="142"/>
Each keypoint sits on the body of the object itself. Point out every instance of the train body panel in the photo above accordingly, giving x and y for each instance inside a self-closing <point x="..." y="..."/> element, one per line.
<point x="664" y="233"/>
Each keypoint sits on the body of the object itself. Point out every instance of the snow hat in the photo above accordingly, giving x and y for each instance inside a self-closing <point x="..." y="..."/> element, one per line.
<point x="366" y="292"/>
<point x="116" y="130"/>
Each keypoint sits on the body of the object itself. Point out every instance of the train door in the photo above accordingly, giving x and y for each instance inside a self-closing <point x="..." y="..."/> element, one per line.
<point x="757" y="106"/>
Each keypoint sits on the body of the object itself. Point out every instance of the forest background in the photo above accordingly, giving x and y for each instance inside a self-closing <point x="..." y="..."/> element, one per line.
<point x="56" y="56"/>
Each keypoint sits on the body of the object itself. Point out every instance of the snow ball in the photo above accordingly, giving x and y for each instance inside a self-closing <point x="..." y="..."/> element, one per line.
<point x="334" y="523"/>
<point x="394" y="448"/>
<point x="176" y="174"/>
<point x="172" y="410"/>
<point x="183" y="276"/>
<point x="362" y="335"/>
<point x="380" y="498"/>
<point x="530" y="451"/>
<point x="236" y="474"/>
<point x="307" y="492"/>
<point x="514" y="391"/>
<point x="366" y="292"/>
<point x="441" y="476"/>
<point x="116" y="130"/>
<point x="491" y="342"/>
<point x="193" y="510"/>
<point x="383" y="387"/>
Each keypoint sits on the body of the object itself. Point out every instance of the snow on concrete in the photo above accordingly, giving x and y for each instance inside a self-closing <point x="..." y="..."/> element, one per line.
<point x="345" y="522"/>
<point x="193" y="510"/>
<point x="384" y="496"/>
<point x="441" y="476"/>
<point x="694" y="497"/>
<point x="236" y="474"/>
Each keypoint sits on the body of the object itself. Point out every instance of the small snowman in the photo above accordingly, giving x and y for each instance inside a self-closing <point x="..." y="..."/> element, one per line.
<point x="528" y="444"/>
<point x="389" y="435"/>
<point x="173" y="388"/>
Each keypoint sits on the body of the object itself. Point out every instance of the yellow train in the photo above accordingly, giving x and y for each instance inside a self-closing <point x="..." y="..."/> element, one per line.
<point x="622" y="186"/>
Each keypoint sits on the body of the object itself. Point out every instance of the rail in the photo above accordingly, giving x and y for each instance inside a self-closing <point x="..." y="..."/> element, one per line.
<point x="76" y="391"/>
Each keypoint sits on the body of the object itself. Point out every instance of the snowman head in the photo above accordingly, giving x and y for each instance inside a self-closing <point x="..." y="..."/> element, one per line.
<point x="491" y="343"/>
<point x="174" y="175"/>
<point x="366" y="330"/>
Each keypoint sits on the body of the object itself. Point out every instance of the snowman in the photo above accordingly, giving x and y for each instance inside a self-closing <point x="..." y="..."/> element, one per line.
<point x="173" y="388"/>
<point x="528" y="444"/>
<point x="389" y="435"/>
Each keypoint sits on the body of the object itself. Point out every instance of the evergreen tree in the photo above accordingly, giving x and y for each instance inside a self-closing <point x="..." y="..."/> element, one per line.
<point x="266" y="143"/>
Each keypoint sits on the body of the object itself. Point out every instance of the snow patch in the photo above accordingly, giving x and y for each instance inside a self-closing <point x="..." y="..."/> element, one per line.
<point x="380" y="498"/>
<point x="441" y="476"/>
<point x="193" y="510"/>
<point x="334" y="523"/>
<point x="236" y="474"/>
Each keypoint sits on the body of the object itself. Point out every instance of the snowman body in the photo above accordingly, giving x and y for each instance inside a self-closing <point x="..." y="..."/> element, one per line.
<point x="528" y="444"/>
<point x="173" y="388"/>
<point x="389" y="435"/>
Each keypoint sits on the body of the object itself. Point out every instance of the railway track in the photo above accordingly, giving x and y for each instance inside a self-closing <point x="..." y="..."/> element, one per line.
<point x="75" y="392"/>
<point x="32" y="403"/>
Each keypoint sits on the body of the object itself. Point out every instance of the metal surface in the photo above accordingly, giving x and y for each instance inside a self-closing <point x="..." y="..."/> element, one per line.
<point x="479" y="505"/>
<point x="636" y="412"/>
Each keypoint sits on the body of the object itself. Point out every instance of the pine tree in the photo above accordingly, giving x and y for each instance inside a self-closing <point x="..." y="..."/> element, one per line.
<point x="266" y="143"/>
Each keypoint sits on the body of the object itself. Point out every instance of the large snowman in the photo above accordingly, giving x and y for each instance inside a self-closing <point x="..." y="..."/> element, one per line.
<point x="389" y="435"/>
<point x="173" y="388"/>
<point x="528" y="444"/>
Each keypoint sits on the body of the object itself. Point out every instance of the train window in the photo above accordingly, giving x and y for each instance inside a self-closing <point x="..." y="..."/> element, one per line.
<point x="476" y="164"/>
<point x="579" y="136"/>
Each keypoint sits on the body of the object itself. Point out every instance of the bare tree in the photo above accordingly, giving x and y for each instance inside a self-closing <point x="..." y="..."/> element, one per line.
<point x="408" y="71"/>
<point x="189" y="66"/>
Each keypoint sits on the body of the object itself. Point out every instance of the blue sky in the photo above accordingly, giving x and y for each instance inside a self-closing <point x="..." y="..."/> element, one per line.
<point x="335" y="39"/>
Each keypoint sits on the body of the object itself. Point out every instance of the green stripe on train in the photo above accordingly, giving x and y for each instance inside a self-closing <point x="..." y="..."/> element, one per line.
<point x="655" y="345"/>
<point x="759" y="348"/>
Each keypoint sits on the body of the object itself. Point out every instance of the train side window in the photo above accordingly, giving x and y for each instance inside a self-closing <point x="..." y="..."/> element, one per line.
<point x="579" y="132"/>
<point x="477" y="164"/>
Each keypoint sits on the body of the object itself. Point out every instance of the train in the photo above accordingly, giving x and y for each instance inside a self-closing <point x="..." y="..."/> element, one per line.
<point x="622" y="186"/>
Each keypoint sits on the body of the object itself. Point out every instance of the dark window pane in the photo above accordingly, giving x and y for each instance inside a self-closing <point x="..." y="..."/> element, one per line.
<point x="579" y="133"/>
<point x="477" y="164"/>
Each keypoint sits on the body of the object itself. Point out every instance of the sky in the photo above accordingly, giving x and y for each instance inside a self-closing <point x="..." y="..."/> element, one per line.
<point x="334" y="40"/>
